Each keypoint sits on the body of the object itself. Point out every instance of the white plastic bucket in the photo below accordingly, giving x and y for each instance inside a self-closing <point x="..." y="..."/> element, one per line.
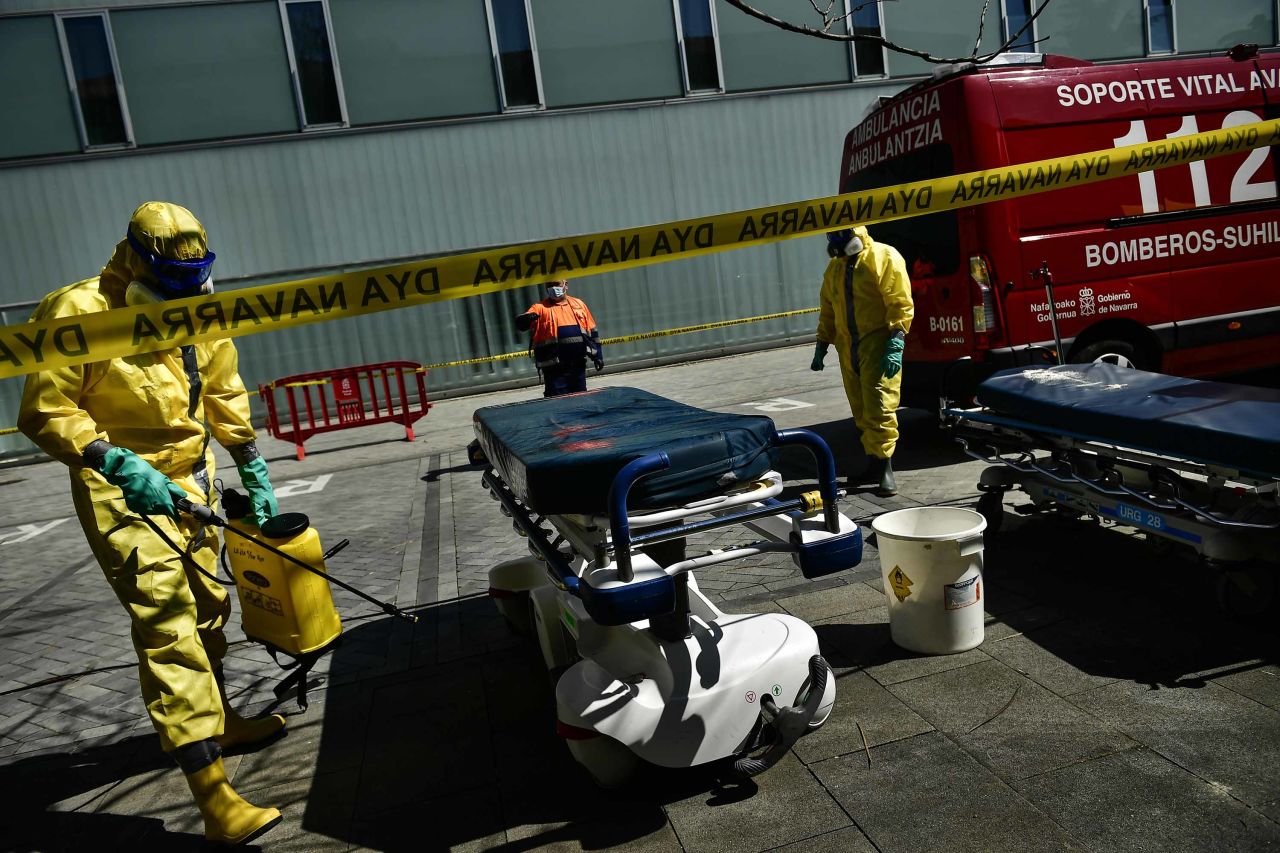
<point x="931" y="565"/>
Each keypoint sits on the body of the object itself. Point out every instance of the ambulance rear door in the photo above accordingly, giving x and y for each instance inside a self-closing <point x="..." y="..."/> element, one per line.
<point x="916" y="137"/>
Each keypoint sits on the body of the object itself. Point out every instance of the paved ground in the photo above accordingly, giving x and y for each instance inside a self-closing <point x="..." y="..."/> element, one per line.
<point x="1110" y="707"/>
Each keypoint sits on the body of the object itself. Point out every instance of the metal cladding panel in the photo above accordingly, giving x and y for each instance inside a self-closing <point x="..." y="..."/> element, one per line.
<point x="312" y="205"/>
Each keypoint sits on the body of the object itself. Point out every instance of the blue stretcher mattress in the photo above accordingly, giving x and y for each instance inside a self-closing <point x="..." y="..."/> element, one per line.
<point x="560" y="454"/>
<point x="1236" y="426"/>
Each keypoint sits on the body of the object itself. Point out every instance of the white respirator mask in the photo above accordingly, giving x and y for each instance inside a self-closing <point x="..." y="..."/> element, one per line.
<point x="853" y="247"/>
<point x="138" y="293"/>
<point x="556" y="292"/>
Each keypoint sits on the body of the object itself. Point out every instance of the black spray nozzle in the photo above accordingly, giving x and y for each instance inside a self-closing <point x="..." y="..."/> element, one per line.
<point x="199" y="512"/>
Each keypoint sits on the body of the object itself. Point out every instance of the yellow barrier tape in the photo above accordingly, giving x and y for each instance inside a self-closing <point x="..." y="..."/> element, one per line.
<point x="108" y="334"/>
<point x="300" y="384"/>
<point x="642" y="336"/>
<point x="680" y="330"/>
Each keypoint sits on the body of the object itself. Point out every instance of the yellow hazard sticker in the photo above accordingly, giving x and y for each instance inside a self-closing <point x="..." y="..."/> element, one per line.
<point x="57" y="342"/>
<point x="900" y="582"/>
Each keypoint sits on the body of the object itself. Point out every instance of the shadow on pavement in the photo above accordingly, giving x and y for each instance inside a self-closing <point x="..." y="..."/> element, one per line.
<point x="1101" y="604"/>
<point x="290" y="456"/>
<point x="78" y="782"/>
<point x="436" y="474"/>
<point x="462" y="748"/>
<point x="1114" y="606"/>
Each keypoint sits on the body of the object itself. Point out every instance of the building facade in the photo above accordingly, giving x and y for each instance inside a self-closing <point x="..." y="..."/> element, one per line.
<point x="317" y="136"/>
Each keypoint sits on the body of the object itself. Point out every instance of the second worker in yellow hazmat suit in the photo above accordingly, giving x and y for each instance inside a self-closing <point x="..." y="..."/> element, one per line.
<point x="135" y="433"/>
<point x="866" y="312"/>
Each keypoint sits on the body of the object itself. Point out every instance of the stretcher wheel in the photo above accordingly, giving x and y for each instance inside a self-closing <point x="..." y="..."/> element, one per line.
<point x="607" y="761"/>
<point x="517" y="612"/>
<point x="1246" y="590"/>
<point x="991" y="507"/>
<point x="828" y="700"/>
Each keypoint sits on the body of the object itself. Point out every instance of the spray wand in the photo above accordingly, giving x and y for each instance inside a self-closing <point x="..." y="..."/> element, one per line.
<point x="205" y="515"/>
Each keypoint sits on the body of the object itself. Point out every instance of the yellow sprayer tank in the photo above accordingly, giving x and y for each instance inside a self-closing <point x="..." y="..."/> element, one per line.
<point x="282" y="604"/>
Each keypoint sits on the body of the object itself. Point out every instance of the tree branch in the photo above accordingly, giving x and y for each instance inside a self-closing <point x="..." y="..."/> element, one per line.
<point x="982" y="25"/>
<point x="824" y="33"/>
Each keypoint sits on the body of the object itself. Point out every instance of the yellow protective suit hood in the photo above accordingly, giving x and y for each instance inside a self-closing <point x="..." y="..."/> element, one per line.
<point x="163" y="228"/>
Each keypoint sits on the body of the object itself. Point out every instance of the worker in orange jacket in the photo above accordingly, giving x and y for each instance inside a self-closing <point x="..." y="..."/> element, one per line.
<point x="564" y="337"/>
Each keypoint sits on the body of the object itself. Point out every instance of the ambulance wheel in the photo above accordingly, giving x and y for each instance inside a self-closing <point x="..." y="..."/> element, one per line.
<point x="607" y="761"/>
<point x="1247" y="590"/>
<point x="1119" y="353"/>
<point x="991" y="507"/>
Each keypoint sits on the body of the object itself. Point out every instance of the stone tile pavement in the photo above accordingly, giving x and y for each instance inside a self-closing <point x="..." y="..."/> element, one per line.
<point x="1110" y="707"/>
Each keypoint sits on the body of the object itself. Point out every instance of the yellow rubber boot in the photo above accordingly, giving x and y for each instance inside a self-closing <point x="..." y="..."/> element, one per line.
<point x="237" y="731"/>
<point x="228" y="819"/>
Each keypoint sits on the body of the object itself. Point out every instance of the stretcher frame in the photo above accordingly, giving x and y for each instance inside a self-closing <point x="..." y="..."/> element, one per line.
<point x="613" y="601"/>
<point x="1228" y="517"/>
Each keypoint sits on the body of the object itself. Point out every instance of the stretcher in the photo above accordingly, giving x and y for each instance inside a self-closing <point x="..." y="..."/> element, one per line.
<point x="608" y="486"/>
<point x="1188" y="462"/>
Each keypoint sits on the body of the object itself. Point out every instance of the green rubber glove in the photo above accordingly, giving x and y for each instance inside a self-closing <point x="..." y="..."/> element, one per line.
<point x="146" y="490"/>
<point x="891" y="361"/>
<point x="819" y="353"/>
<point x="253" y="476"/>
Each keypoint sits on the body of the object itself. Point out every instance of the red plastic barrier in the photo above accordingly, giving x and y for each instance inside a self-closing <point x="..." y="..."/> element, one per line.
<point x="330" y="400"/>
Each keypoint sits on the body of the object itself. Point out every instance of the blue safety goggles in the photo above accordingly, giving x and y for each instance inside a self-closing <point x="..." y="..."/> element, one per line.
<point x="839" y="239"/>
<point x="176" y="278"/>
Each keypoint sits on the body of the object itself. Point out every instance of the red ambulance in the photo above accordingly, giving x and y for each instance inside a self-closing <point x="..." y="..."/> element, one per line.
<point x="1176" y="270"/>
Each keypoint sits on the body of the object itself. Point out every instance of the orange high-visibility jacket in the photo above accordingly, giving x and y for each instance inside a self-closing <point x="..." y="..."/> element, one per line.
<point x="563" y="333"/>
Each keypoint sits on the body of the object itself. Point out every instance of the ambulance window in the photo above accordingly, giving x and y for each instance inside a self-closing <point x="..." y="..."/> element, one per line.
<point x="1016" y="15"/>
<point x="930" y="242"/>
<point x="1160" y="26"/>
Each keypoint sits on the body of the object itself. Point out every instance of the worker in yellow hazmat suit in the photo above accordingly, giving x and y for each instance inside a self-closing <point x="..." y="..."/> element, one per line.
<point x="866" y="312"/>
<point x="135" y="433"/>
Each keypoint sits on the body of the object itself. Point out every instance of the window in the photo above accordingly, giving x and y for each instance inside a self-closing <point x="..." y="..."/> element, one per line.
<point x="864" y="18"/>
<point x="515" y="54"/>
<point x="1214" y="25"/>
<point x="1016" y="15"/>
<point x="756" y="55"/>
<point x="699" y="50"/>
<point x="586" y="57"/>
<point x="395" y="53"/>
<point x="33" y="84"/>
<point x="930" y="242"/>
<point x="1159" y="26"/>
<point x="317" y="87"/>
<point x="94" y="77"/>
